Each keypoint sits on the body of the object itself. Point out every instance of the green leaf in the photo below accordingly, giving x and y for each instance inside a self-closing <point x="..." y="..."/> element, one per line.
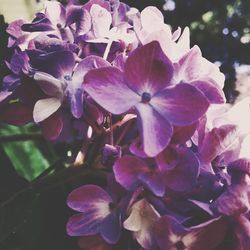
<point x="29" y="158"/>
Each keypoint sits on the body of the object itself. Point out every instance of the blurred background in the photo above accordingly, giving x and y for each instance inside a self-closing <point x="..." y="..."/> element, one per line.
<point x="36" y="220"/>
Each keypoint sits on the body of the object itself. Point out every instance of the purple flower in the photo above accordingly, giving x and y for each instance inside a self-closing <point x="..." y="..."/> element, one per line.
<point x="62" y="78"/>
<point x="170" y="234"/>
<point x="144" y="85"/>
<point x="98" y="214"/>
<point x="177" y="170"/>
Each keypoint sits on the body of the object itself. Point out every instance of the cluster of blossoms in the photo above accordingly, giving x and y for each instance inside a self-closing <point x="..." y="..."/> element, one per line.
<point x="177" y="156"/>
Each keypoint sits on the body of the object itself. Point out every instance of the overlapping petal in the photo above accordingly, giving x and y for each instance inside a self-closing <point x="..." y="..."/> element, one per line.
<point x="177" y="103"/>
<point x="127" y="169"/>
<point x="108" y="88"/>
<point x="148" y="69"/>
<point x="156" y="131"/>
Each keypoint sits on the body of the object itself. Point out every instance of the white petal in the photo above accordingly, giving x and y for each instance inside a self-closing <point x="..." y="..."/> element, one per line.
<point x="45" y="108"/>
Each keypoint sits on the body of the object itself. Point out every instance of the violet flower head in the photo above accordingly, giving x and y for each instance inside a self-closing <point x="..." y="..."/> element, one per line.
<point x="144" y="85"/>
<point x="62" y="79"/>
<point x="98" y="214"/>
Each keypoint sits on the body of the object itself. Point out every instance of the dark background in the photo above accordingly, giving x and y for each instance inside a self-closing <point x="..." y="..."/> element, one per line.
<point x="33" y="211"/>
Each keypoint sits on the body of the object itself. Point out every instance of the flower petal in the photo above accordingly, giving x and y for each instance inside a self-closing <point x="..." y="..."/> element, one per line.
<point x="88" y="63"/>
<point x="57" y="64"/>
<point x="107" y="87"/>
<point x="52" y="126"/>
<point x="148" y="69"/>
<point x="184" y="175"/>
<point x="141" y="220"/>
<point x="76" y="102"/>
<point x="4" y="95"/>
<point x="156" y="131"/>
<point x="195" y="67"/>
<point x="56" y="12"/>
<point x="153" y="180"/>
<point x="177" y="103"/>
<point x="127" y="169"/>
<point x="111" y="228"/>
<point x="88" y="196"/>
<point x="168" y="232"/>
<point x="101" y="20"/>
<point x="83" y="224"/>
<point x="210" y="89"/>
<point x="50" y="85"/>
<point x="45" y="108"/>
<point x="217" y="141"/>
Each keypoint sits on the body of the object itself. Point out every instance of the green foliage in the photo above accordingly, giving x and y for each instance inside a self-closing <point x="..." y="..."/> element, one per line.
<point x="29" y="158"/>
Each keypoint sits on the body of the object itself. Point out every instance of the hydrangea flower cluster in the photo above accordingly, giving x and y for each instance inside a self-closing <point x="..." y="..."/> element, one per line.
<point x="176" y="155"/>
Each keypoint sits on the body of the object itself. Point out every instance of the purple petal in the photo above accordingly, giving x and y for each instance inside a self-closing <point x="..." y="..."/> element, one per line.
<point x="89" y="197"/>
<point x="101" y="3"/>
<point x="154" y="181"/>
<point x="84" y="224"/>
<point x="94" y="203"/>
<point x="14" y="28"/>
<point x="57" y="64"/>
<point x="11" y="81"/>
<point x="182" y="134"/>
<point x="18" y="62"/>
<point x="233" y="202"/>
<point x="148" y="69"/>
<point x="76" y="102"/>
<point x="207" y="237"/>
<point x="167" y="159"/>
<point x="155" y="131"/>
<point x="40" y="23"/>
<point x="52" y="126"/>
<point x="136" y="148"/>
<point x="50" y="85"/>
<point x="110" y="229"/>
<point x="127" y="169"/>
<point x="177" y="103"/>
<point x="166" y="227"/>
<point x="45" y="108"/>
<point x="213" y="93"/>
<point x="88" y="63"/>
<point x="107" y="87"/>
<point x="184" y="175"/>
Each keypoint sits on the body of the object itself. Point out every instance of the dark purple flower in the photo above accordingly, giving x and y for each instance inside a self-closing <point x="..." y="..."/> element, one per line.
<point x="177" y="169"/>
<point x="234" y="201"/>
<point x="62" y="79"/>
<point x="145" y="86"/>
<point x="98" y="214"/>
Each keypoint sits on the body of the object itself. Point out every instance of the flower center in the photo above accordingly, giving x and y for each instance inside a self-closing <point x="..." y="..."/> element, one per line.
<point x="112" y="206"/>
<point x="146" y="97"/>
<point x="59" y="26"/>
<point x="68" y="78"/>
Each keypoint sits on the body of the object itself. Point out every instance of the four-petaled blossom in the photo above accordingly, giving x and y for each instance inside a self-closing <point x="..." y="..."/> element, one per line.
<point x="98" y="214"/>
<point x="144" y="85"/>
